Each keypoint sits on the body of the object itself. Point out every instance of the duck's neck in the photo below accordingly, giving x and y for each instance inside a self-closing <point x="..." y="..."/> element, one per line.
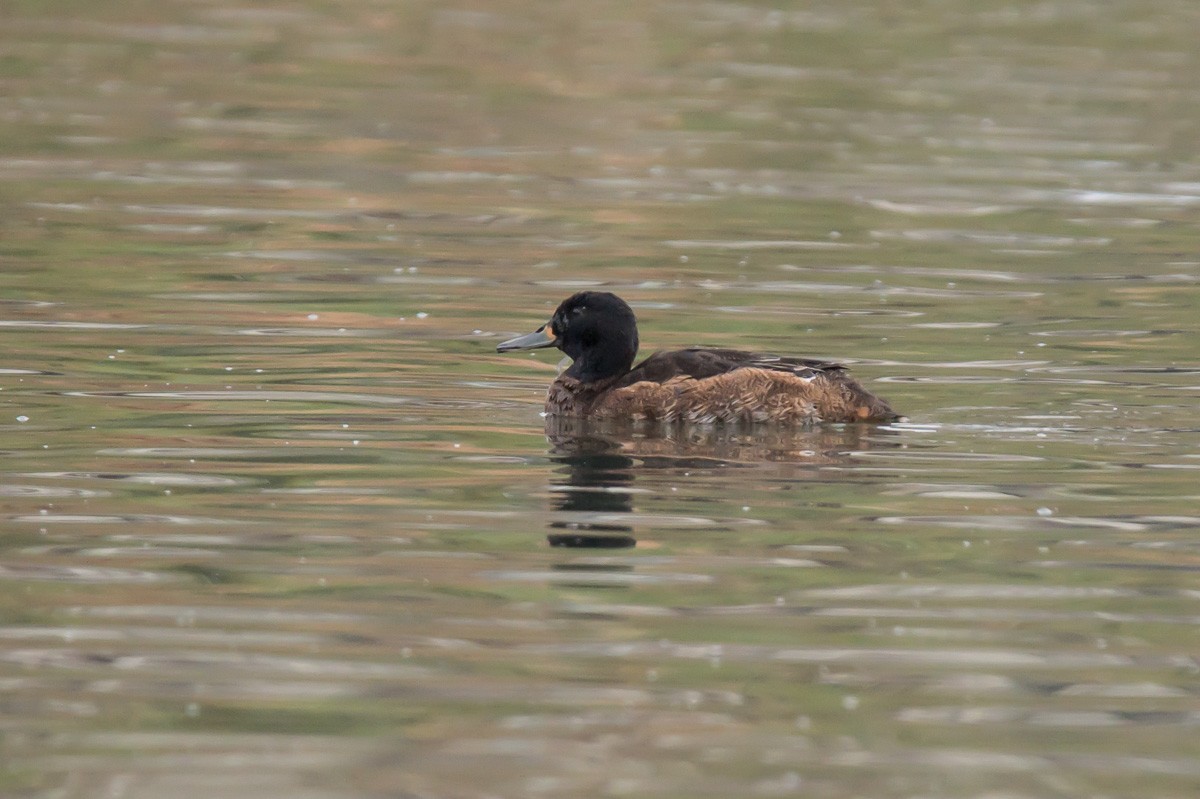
<point x="568" y="396"/>
<point x="601" y="364"/>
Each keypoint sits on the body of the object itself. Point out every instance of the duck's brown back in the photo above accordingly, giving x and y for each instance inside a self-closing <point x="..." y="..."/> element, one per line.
<point x="705" y="386"/>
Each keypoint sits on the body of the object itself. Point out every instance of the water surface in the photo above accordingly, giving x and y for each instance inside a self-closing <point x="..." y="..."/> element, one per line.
<point x="278" y="521"/>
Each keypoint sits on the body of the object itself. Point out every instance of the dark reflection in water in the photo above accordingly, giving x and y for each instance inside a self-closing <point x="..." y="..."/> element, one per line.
<point x="602" y="460"/>
<point x="596" y="483"/>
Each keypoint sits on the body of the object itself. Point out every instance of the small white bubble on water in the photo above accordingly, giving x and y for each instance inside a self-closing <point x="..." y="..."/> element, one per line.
<point x="228" y="368"/>
<point x="850" y="702"/>
<point x="192" y="710"/>
<point x="683" y="259"/>
<point x="312" y="317"/>
<point x="1044" y="512"/>
<point x="22" y="419"/>
<point x="355" y="442"/>
<point x="422" y="315"/>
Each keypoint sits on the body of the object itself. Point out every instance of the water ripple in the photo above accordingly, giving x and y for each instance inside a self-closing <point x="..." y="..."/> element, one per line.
<point x="216" y="453"/>
<point x="187" y="615"/>
<point x="62" y="325"/>
<point x="740" y="244"/>
<point x="49" y="491"/>
<point x="959" y="592"/>
<point x="254" y="396"/>
<point x="152" y="478"/>
<point x="977" y="715"/>
<point x="78" y="574"/>
<point x="1038" y="521"/>
<point x="227" y="661"/>
<point x="599" y="578"/>
<point x="947" y="658"/>
<point x="263" y="395"/>
<point x="132" y="518"/>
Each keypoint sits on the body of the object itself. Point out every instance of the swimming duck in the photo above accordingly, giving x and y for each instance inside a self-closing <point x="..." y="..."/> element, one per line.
<point x="697" y="385"/>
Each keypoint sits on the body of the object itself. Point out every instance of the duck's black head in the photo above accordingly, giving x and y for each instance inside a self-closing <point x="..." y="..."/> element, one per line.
<point x="595" y="328"/>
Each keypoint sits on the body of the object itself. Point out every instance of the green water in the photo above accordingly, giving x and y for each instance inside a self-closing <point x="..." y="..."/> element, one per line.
<point x="277" y="520"/>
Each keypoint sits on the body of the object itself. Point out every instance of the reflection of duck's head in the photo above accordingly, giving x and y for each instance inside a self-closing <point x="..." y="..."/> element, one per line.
<point x="694" y="386"/>
<point x="595" y="328"/>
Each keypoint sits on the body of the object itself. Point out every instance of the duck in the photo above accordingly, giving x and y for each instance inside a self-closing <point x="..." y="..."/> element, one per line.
<point x="697" y="385"/>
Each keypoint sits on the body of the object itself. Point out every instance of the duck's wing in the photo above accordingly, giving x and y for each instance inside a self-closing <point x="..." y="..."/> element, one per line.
<point x="703" y="362"/>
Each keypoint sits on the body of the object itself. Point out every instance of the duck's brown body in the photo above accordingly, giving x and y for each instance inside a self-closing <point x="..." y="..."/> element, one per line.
<point x="692" y="386"/>
<point x="722" y="386"/>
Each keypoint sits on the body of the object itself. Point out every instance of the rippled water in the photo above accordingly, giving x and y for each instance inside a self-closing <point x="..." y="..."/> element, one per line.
<point x="278" y="521"/>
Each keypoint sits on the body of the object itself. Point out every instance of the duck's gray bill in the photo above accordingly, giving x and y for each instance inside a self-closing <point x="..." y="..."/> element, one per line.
<point x="542" y="337"/>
